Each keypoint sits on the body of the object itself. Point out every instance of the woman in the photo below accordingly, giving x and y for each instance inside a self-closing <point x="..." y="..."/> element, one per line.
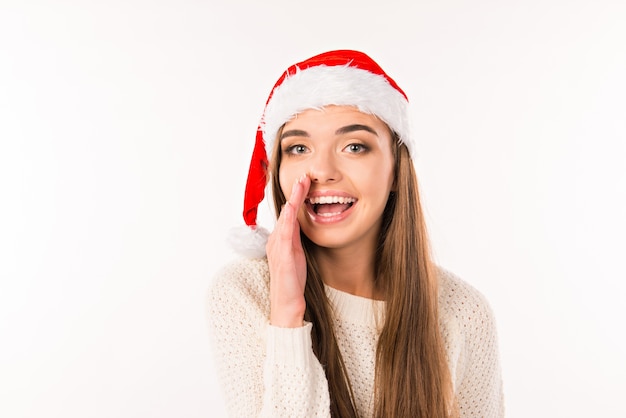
<point x="346" y="315"/>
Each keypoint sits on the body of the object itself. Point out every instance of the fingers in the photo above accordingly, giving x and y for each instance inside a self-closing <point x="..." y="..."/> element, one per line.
<point x="287" y="262"/>
<point x="287" y="226"/>
<point x="286" y="221"/>
<point x="299" y="191"/>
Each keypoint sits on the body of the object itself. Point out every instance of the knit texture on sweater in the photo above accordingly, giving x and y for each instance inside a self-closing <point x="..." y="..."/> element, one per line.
<point x="266" y="371"/>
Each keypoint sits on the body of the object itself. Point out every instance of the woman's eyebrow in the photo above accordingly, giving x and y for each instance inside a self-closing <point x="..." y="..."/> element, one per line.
<point x="356" y="127"/>
<point x="294" y="132"/>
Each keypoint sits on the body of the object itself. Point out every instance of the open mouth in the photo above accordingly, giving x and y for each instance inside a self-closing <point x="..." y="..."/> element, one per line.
<point x="328" y="206"/>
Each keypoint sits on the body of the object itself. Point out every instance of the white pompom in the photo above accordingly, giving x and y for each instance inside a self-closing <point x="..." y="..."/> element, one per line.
<point x="249" y="242"/>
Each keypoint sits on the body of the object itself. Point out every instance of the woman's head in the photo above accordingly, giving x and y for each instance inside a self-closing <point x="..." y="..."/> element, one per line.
<point x="335" y="78"/>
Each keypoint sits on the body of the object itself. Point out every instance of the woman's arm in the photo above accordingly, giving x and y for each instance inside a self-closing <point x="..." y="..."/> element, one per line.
<point x="480" y="393"/>
<point x="264" y="370"/>
<point x="470" y="336"/>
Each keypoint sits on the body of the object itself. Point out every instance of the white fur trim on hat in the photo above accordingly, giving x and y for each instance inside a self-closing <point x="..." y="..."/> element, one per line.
<point x="322" y="85"/>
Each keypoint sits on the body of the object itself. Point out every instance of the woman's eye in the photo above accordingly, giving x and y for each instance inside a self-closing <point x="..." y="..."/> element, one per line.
<point x="356" y="148"/>
<point x="296" y="149"/>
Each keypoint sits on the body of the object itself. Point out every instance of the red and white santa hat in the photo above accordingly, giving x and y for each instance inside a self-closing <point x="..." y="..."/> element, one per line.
<point x="341" y="77"/>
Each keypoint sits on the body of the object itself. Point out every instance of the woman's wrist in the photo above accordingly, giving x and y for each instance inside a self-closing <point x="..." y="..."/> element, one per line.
<point x="287" y="318"/>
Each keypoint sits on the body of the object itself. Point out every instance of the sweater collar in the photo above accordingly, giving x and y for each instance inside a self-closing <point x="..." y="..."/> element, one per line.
<point x="356" y="309"/>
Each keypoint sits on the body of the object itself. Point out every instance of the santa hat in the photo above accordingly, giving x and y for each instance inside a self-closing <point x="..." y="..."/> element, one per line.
<point x="343" y="78"/>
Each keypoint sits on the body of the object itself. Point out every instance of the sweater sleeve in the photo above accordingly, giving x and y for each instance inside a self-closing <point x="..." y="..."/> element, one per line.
<point x="264" y="371"/>
<point x="479" y="390"/>
<point x="481" y="393"/>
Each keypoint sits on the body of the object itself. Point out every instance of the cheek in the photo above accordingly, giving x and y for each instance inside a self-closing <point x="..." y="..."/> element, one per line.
<point x="380" y="187"/>
<point x="377" y="178"/>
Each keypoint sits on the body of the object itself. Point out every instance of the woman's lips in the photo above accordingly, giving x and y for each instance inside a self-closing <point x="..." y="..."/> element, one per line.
<point x="326" y="207"/>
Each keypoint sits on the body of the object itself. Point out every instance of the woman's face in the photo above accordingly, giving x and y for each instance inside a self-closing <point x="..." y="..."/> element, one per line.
<point x="347" y="154"/>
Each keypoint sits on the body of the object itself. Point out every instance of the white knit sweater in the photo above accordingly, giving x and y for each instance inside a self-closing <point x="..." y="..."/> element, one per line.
<point x="266" y="371"/>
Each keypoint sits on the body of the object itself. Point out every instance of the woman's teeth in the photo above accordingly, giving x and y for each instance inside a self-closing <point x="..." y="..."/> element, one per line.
<point x="325" y="200"/>
<point x="328" y="206"/>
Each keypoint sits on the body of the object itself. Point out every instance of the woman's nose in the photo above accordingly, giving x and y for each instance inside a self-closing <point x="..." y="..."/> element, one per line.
<point x="324" y="169"/>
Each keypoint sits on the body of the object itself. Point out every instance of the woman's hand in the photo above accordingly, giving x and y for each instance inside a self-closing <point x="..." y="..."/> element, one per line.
<point x="287" y="263"/>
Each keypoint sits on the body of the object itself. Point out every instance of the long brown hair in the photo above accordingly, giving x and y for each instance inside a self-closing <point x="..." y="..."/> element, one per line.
<point x="412" y="375"/>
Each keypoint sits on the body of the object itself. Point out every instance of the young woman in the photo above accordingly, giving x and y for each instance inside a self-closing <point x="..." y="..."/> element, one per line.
<point x="342" y="312"/>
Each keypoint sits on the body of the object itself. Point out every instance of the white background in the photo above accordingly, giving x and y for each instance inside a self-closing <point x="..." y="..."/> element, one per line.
<point x="125" y="133"/>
